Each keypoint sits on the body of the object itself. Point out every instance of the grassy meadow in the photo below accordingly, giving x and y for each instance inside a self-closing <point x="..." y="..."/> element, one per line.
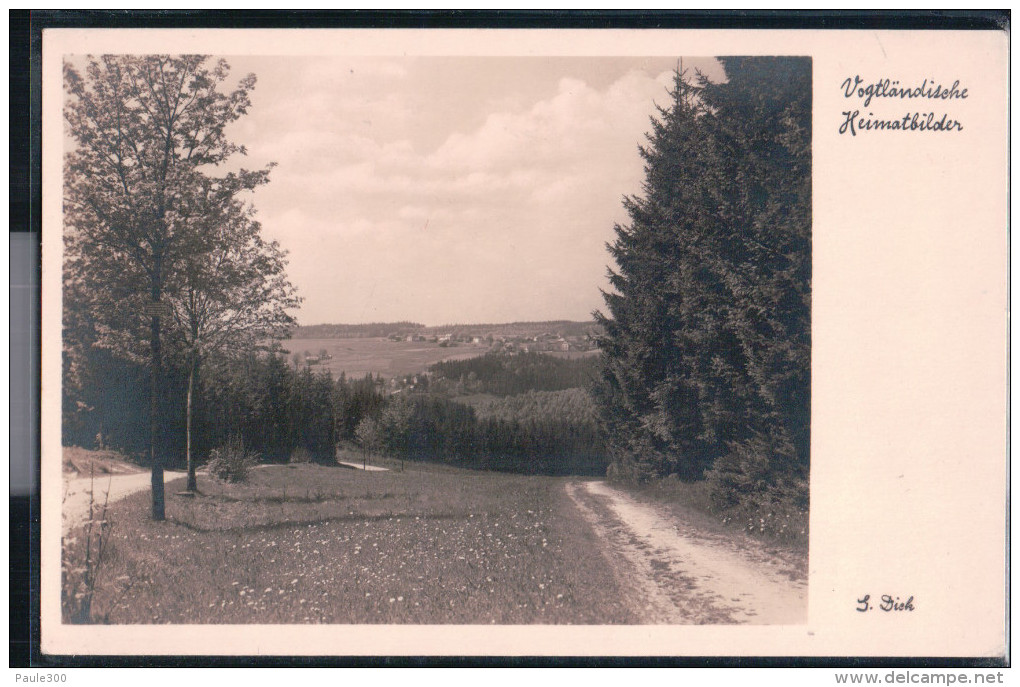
<point x="313" y="544"/>
<point x="358" y="357"/>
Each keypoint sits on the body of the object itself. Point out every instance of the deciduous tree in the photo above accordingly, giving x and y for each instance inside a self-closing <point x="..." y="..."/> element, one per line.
<point x="231" y="297"/>
<point x="148" y="135"/>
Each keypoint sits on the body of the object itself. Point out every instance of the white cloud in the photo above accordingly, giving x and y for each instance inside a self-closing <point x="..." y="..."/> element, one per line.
<point x="504" y="218"/>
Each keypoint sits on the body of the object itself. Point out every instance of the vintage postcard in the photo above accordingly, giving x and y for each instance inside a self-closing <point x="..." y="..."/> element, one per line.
<point x="524" y="342"/>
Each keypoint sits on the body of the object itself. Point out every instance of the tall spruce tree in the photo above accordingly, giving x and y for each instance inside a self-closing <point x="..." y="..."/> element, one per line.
<point x="706" y="345"/>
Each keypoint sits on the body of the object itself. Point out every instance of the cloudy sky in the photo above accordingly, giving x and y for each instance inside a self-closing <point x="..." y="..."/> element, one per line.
<point x="449" y="190"/>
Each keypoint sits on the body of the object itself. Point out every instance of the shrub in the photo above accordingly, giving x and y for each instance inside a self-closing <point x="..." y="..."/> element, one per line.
<point x="300" y="455"/>
<point x="232" y="462"/>
<point x="761" y="486"/>
<point x="626" y="470"/>
<point x="760" y="470"/>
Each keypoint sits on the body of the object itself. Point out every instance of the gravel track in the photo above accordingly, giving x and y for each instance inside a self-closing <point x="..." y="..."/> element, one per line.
<point x="107" y="488"/>
<point x="675" y="573"/>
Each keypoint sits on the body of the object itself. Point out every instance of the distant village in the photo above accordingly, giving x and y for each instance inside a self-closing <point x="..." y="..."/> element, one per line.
<point x="561" y="337"/>
<point x="512" y="332"/>
<point x="547" y="342"/>
<point x="574" y="340"/>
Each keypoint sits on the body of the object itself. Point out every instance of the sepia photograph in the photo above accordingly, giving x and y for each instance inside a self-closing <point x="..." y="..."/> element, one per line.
<point x="415" y="334"/>
<point x="436" y="340"/>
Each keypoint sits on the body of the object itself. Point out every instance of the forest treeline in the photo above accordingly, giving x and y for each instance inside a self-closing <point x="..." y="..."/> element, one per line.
<point x="506" y="375"/>
<point x="573" y="405"/>
<point x="371" y="330"/>
<point x="436" y="428"/>
<point x="259" y="399"/>
<point x="276" y="410"/>
<point x="403" y="328"/>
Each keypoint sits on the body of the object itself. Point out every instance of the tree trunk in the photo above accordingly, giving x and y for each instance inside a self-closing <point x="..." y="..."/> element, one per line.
<point x="192" y="372"/>
<point x="155" y="448"/>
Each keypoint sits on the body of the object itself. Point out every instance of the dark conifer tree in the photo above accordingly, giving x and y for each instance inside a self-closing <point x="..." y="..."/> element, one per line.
<point x="706" y="349"/>
<point x="650" y="392"/>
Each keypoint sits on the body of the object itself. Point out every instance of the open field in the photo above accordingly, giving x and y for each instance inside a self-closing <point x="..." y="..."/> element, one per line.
<point x="313" y="544"/>
<point x="358" y="357"/>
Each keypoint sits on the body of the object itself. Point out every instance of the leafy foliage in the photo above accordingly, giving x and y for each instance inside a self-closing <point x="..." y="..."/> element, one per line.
<point x="274" y="408"/>
<point x="139" y="200"/>
<point x="148" y="221"/>
<point x="232" y="462"/>
<point x="299" y="456"/>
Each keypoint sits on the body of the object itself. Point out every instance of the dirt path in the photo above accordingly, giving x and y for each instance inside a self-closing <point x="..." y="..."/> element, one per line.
<point x="675" y="573"/>
<point x="77" y="489"/>
<point x="363" y="466"/>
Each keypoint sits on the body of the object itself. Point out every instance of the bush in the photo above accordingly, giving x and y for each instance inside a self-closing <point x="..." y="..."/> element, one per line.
<point x="232" y="463"/>
<point x="760" y="486"/>
<point x="759" y="470"/>
<point x="300" y="455"/>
